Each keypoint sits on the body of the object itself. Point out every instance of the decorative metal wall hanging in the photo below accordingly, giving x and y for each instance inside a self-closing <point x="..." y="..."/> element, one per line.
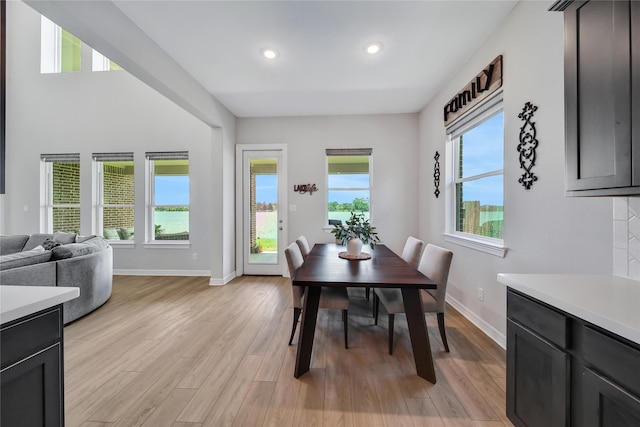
<point x="436" y="174"/>
<point x="305" y="188"/>
<point x="527" y="146"/>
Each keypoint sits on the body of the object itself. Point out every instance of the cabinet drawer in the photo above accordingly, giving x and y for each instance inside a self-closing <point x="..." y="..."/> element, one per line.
<point x="613" y="358"/>
<point x="550" y="324"/>
<point x="27" y="336"/>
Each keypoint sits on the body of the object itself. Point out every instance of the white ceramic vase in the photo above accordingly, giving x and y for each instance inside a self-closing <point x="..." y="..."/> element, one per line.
<point x="354" y="246"/>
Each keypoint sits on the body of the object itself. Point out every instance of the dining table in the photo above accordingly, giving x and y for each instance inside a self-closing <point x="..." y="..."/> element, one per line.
<point x="324" y="267"/>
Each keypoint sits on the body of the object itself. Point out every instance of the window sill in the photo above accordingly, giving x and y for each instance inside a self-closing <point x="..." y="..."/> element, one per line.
<point x="126" y="244"/>
<point x="492" y="246"/>
<point x="168" y="244"/>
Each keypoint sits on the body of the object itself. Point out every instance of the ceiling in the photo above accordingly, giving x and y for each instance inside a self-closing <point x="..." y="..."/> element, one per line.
<point x="322" y="67"/>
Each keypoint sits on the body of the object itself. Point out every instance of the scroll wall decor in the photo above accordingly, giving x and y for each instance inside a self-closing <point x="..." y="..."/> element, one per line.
<point x="436" y="174"/>
<point x="527" y="146"/>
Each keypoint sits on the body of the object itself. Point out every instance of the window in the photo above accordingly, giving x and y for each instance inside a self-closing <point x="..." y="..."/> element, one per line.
<point x="114" y="195"/>
<point x="61" y="192"/>
<point x="476" y="190"/>
<point x="99" y="62"/>
<point x="348" y="183"/>
<point x="60" y="51"/>
<point x="168" y="196"/>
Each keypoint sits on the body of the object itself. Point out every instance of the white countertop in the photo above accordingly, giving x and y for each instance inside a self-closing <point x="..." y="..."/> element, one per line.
<point x="20" y="301"/>
<point x="610" y="302"/>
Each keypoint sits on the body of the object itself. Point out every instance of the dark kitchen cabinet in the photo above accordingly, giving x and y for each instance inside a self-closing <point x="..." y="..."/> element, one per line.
<point x="537" y="367"/>
<point x="602" y="97"/>
<point x="563" y="371"/>
<point x="31" y="370"/>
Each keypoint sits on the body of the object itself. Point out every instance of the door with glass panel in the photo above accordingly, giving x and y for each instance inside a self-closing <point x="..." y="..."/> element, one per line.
<point x="263" y="212"/>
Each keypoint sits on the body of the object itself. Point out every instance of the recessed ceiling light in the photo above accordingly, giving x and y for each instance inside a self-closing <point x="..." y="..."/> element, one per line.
<point x="269" y="53"/>
<point x="373" y="48"/>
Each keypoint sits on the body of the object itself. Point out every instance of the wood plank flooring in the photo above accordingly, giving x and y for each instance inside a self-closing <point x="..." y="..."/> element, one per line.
<point x="176" y="352"/>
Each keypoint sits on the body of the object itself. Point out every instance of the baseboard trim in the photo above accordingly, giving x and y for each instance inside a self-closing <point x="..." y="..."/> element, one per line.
<point x="485" y="327"/>
<point x="134" y="272"/>
<point x="221" y="282"/>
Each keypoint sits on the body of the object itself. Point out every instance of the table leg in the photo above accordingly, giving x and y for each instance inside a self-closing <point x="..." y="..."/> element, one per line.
<point x="307" y="330"/>
<point x="418" y="333"/>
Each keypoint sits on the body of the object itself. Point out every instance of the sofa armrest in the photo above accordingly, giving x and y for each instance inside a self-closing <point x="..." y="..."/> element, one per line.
<point x="93" y="274"/>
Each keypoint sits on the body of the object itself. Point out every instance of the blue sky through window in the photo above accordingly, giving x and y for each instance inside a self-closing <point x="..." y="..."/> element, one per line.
<point x="172" y="190"/>
<point x="267" y="188"/>
<point x="483" y="147"/>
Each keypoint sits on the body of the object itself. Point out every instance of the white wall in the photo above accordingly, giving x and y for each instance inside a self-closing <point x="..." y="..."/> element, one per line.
<point x="393" y="139"/>
<point x="545" y="232"/>
<point x="90" y="112"/>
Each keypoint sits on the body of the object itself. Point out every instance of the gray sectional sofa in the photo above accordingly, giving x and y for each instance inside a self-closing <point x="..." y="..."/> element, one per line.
<point x="60" y="259"/>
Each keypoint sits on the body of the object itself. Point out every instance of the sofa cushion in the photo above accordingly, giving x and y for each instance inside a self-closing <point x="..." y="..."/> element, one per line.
<point x="64" y="238"/>
<point x="10" y="244"/>
<point x="71" y="250"/>
<point x="111" y="234"/>
<point x="21" y="259"/>
<point x="36" y="240"/>
<point x="49" y="244"/>
<point x="81" y="239"/>
<point x="126" y="233"/>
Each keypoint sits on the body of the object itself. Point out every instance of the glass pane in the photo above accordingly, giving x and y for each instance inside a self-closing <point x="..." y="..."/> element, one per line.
<point x="66" y="219"/>
<point x="171" y="182"/>
<point x="481" y="207"/>
<point x="264" y="210"/>
<point x="343" y="202"/>
<point x="482" y="148"/>
<point x="118" y="183"/>
<point x="171" y="223"/>
<point x="70" y="54"/>
<point x="349" y="181"/>
<point x="66" y="183"/>
<point x="118" y="223"/>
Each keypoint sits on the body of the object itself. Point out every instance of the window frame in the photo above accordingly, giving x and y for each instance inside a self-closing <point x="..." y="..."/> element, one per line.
<point x="348" y="152"/>
<point x="100" y="63"/>
<point x="484" y="111"/>
<point x="46" y="194"/>
<point x="51" y="48"/>
<point x="99" y="205"/>
<point x="150" y="241"/>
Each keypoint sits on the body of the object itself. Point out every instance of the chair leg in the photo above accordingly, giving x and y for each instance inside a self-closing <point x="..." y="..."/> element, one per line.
<point x="376" y="308"/>
<point x="366" y="292"/>
<point x="443" y="334"/>
<point x="296" y="315"/>
<point x="391" y="318"/>
<point x="345" y="316"/>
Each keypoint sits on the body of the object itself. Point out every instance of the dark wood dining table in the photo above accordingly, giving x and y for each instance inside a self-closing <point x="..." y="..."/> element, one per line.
<point x="323" y="267"/>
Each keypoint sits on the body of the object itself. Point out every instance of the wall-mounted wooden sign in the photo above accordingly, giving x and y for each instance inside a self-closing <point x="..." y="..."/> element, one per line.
<point x="305" y="188"/>
<point x="484" y="84"/>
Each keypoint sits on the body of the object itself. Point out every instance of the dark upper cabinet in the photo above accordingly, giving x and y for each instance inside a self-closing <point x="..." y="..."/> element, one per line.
<point x="602" y="78"/>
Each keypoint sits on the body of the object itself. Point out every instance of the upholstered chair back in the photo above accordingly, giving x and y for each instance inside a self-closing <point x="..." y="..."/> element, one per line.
<point x="412" y="251"/>
<point x="295" y="261"/>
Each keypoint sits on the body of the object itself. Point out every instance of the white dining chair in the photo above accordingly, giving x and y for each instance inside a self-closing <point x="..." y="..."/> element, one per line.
<point x="304" y="246"/>
<point x="411" y="254"/>
<point x="435" y="264"/>
<point x="330" y="297"/>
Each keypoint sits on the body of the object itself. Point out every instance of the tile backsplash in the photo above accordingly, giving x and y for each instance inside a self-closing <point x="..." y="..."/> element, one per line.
<point x="626" y="237"/>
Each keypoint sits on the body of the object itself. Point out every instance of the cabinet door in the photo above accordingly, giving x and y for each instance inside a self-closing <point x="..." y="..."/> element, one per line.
<point x="606" y="404"/>
<point x="31" y="391"/>
<point x="598" y="95"/>
<point x="537" y="380"/>
<point x="635" y="94"/>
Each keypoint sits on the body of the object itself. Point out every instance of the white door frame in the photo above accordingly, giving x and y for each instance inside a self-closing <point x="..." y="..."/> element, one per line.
<point x="283" y="210"/>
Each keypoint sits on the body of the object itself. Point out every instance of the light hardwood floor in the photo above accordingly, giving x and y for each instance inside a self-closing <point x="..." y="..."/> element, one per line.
<point x="174" y="351"/>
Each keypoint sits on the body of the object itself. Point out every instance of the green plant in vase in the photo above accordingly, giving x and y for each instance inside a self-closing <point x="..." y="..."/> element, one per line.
<point x="355" y="232"/>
